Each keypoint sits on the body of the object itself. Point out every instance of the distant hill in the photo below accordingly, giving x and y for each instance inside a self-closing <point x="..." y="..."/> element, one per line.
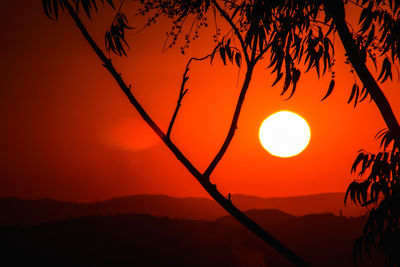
<point x="23" y="212"/>
<point x="301" y="205"/>
<point x="143" y="240"/>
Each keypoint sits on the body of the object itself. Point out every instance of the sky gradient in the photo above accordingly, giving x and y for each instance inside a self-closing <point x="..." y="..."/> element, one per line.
<point x="70" y="134"/>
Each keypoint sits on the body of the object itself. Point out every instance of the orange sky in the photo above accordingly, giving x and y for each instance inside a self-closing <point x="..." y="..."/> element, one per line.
<point x="70" y="134"/>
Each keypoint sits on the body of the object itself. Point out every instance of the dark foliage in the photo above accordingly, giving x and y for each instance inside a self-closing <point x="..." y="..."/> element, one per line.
<point x="51" y="7"/>
<point x="288" y="30"/>
<point x="378" y="186"/>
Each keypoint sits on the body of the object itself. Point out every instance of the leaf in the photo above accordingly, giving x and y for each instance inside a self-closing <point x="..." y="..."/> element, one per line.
<point x="51" y="8"/>
<point x="364" y="13"/>
<point x="222" y="54"/>
<point x="110" y="2"/>
<point x="86" y="6"/>
<point x="364" y="93"/>
<point x="295" y="78"/>
<point x="350" y="190"/>
<point x="229" y="52"/>
<point x="261" y="39"/>
<point x="364" y="165"/>
<point x="213" y="53"/>
<point x="327" y="61"/>
<point x="385" y="65"/>
<point x="279" y="76"/>
<point x="238" y="59"/>
<point x="357" y="161"/>
<point x="330" y="89"/>
<point x="371" y="36"/>
<point x="356" y="96"/>
<point x="388" y="72"/>
<point x="47" y="9"/>
<point x="288" y="79"/>
<point x="55" y="8"/>
<point x="353" y="92"/>
<point x="381" y="133"/>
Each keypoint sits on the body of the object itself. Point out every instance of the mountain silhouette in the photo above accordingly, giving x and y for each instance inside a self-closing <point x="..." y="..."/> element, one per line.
<point x="23" y="212"/>
<point x="144" y="240"/>
<point x="302" y="205"/>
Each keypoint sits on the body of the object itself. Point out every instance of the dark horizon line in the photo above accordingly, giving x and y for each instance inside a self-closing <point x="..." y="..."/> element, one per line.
<point x="169" y="196"/>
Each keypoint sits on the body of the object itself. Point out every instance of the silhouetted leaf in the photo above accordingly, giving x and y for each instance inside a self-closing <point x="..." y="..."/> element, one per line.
<point x="261" y="39"/>
<point x="330" y="89"/>
<point x="55" y="8"/>
<point x="386" y="70"/>
<point x="356" y="95"/>
<point x="364" y="94"/>
<point x="288" y="79"/>
<point x="357" y="161"/>
<point x="238" y="59"/>
<point x="51" y="8"/>
<point x="228" y="50"/>
<point x="353" y="92"/>
<point x="115" y="36"/>
<point x="222" y="54"/>
<point x="295" y="78"/>
<point x="371" y="36"/>
<point x="279" y="76"/>
<point x="110" y="2"/>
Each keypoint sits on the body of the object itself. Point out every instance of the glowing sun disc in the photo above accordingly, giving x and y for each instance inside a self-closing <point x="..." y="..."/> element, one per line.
<point x="284" y="134"/>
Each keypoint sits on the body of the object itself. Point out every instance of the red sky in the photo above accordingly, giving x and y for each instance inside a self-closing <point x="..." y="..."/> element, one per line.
<point x="70" y="134"/>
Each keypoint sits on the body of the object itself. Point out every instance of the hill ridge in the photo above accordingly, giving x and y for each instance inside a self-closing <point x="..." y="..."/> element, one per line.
<point x="15" y="211"/>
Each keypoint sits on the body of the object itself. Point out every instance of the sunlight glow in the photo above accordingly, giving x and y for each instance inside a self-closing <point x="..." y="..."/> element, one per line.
<point x="130" y="134"/>
<point x="284" y="134"/>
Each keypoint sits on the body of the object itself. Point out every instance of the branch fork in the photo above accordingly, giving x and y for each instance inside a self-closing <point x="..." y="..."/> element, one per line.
<point x="202" y="178"/>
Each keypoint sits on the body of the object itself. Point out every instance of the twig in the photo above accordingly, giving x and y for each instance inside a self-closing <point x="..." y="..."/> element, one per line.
<point x="183" y="91"/>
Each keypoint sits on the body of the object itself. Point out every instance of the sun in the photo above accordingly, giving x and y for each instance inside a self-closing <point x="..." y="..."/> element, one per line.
<point x="284" y="134"/>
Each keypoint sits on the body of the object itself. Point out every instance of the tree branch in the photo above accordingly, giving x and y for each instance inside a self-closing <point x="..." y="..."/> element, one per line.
<point x="207" y="185"/>
<point x="182" y="91"/>
<point x="336" y="9"/>
<point x="233" y="126"/>
<point x="126" y="89"/>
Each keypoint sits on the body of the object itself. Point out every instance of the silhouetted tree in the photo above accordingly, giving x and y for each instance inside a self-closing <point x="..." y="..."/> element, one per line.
<point x="291" y="34"/>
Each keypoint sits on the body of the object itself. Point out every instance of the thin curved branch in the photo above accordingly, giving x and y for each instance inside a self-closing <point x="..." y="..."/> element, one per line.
<point x="234" y="122"/>
<point x="336" y="9"/>
<point x="207" y="185"/>
<point x="246" y="83"/>
<point x="183" y="91"/>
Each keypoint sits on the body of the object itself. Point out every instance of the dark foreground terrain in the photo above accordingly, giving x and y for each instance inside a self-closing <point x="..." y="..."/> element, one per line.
<point x="144" y="240"/>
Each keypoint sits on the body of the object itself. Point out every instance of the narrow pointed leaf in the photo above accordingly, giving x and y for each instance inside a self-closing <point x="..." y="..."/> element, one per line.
<point x="330" y="89"/>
